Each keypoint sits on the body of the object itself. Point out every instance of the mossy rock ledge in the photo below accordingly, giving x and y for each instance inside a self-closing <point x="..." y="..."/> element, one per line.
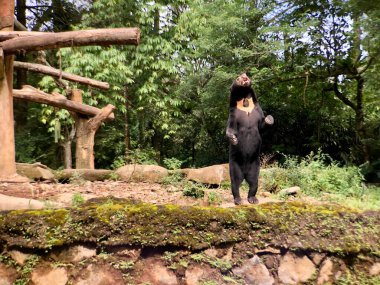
<point x="329" y="229"/>
<point x="115" y="241"/>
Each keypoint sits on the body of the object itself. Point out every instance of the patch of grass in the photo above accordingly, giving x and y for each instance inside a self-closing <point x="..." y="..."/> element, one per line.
<point x="214" y="198"/>
<point x="77" y="199"/>
<point x="320" y="177"/>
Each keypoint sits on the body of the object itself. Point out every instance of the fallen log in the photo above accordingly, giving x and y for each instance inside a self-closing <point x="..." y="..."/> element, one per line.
<point x="60" y="74"/>
<point x="105" y="37"/>
<point x="30" y="93"/>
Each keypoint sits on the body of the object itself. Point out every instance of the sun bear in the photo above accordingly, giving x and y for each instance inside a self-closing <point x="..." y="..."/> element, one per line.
<point x="245" y="121"/>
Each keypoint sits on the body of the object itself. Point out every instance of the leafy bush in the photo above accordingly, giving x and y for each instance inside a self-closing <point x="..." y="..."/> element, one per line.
<point x="315" y="174"/>
<point x="172" y="163"/>
<point x="193" y="190"/>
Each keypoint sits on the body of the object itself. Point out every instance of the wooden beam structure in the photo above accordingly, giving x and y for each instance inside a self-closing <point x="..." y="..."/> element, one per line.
<point x="60" y="74"/>
<point x="30" y="93"/>
<point x="105" y="37"/>
<point x="7" y="35"/>
<point x="7" y="139"/>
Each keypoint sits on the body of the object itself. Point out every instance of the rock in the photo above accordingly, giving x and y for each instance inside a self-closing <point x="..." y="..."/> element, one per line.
<point x="85" y="174"/>
<point x="375" y="269"/>
<point x="265" y="194"/>
<point x="19" y="256"/>
<point x="15" y="203"/>
<point x="156" y="273"/>
<point x="193" y="275"/>
<point x="75" y="254"/>
<point x="294" y="269"/>
<point x="67" y="198"/>
<point x="317" y="258"/>
<point x="48" y="276"/>
<point x="290" y="191"/>
<point x="98" y="275"/>
<point x="254" y="272"/>
<point x="200" y="273"/>
<point x="8" y="275"/>
<point x="268" y="250"/>
<point x="142" y="173"/>
<point x="228" y="256"/>
<point x="325" y="272"/>
<point x="211" y="252"/>
<point x="212" y="175"/>
<point x="35" y="171"/>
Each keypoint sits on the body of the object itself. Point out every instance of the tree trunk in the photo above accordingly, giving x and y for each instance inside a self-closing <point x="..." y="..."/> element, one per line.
<point x="359" y="118"/>
<point x="7" y="142"/>
<point x="85" y="135"/>
<point x="67" y="150"/>
<point x="127" y="138"/>
<point x="21" y="17"/>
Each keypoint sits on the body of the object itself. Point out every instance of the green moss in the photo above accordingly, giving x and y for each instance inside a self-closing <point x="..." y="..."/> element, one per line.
<point x="115" y="221"/>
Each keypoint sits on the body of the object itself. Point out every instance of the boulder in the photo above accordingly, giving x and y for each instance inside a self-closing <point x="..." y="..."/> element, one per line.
<point x="254" y="272"/>
<point x="375" y="269"/>
<point x="290" y="191"/>
<point x="325" y="272"/>
<point x="74" y="254"/>
<point x="85" y="174"/>
<point x="35" y="171"/>
<point x="48" y="276"/>
<point x="8" y="275"/>
<point x="295" y="269"/>
<point x="156" y="273"/>
<point x="212" y="175"/>
<point x="142" y="173"/>
<point x="15" y="203"/>
<point x="98" y="275"/>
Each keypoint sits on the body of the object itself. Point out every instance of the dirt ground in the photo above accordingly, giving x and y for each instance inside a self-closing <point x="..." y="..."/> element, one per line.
<point x="147" y="192"/>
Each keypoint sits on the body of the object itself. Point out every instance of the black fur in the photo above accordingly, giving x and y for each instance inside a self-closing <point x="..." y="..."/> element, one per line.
<point x="243" y="131"/>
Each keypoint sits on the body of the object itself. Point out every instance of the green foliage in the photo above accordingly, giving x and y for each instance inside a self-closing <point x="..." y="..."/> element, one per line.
<point x="193" y="190"/>
<point x="172" y="163"/>
<point x="316" y="174"/>
<point x="77" y="199"/>
<point x="214" y="198"/>
<point x="319" y="176"/>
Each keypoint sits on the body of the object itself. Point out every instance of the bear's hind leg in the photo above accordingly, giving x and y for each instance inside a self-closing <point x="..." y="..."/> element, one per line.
<point x="252" y="179"/>
<point x="237" y="177"/>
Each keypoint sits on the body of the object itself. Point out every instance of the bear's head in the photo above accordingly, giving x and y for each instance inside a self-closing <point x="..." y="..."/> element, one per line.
<point x="243" y="80"/>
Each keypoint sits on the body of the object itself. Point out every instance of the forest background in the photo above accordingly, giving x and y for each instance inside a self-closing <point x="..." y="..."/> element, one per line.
<point x="314" y="65"/>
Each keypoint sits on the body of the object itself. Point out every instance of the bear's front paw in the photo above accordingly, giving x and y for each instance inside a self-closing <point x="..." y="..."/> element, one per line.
<point x="233" y="140"/>
<point x="269" y="120"/>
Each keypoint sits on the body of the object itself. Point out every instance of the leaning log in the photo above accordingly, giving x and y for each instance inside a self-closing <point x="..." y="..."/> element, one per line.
<point x="106" y="37"/>
<point x="60" y="74"/>
<point x="30" y="93"/>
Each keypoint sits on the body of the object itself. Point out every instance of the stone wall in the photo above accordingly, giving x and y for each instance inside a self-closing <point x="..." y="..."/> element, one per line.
<point x="228" y="264"/>
<point x="121" y="242"/>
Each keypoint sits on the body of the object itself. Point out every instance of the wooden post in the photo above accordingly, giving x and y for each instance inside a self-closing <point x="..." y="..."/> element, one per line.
<point x="85" y="134"/>
<point x="7" y="142"/>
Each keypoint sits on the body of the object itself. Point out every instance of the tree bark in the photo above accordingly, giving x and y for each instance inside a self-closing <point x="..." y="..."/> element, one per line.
<point x="7" y="141"/>
<point x="119" y="36"/>
<point x="60" y="74"/>
<point x="8" y="35"/>
<point x="67" y="150"/>
<point x="57" y="100"/>
<point x="85" y="137"/>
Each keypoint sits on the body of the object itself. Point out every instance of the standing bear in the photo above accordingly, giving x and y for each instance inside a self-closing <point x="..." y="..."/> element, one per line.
<point x="245" y="122"/>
